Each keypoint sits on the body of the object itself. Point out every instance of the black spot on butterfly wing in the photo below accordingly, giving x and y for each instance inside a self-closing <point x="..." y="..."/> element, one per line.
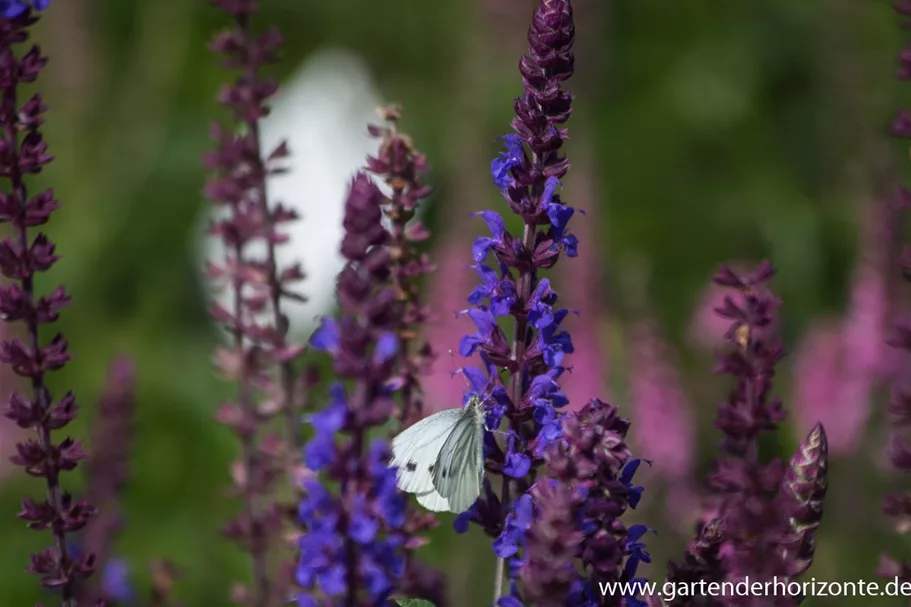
<point x="430" y="469"/>
<point x="411" y="466"/>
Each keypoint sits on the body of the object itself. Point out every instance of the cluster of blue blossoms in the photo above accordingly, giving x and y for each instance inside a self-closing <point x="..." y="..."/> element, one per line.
<point x="10" y="9"/>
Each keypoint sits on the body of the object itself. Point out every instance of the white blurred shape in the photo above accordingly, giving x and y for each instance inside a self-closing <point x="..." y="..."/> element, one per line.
<point x="322" y="111"/>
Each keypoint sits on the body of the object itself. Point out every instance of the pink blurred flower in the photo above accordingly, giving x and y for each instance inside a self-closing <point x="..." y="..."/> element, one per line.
<point x="864" y="328"/>
<point x="581" y="289"/>
<point x="841" y="362"/>
<point x="450" y="282"/>
<point x="831" y="386"/>
<point x="662" y="428"/>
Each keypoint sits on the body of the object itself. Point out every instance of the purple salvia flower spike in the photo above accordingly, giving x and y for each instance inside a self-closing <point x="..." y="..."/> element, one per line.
<point x="528" y="173"/>
<point x="897" y="506"/>
<point x="755" y="510"/>
<point x="355" y="545"/>
<point x="260" y="358"/>
<point x="21" y="259"/>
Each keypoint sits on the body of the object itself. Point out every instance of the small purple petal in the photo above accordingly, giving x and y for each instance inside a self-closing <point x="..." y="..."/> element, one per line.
<point x="326" y="336"/>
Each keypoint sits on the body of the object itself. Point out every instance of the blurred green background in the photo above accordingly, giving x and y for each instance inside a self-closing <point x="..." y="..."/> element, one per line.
<point x="717" y="131"/>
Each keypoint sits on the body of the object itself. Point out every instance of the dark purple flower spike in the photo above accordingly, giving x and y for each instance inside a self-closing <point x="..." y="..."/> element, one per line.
<point x="23" y="152"/>
<point x="260" y="358"/>
<point x="764" y="516"/>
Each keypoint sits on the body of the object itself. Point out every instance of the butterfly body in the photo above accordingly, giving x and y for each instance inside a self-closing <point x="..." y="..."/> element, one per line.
<point x="441" y="458"/>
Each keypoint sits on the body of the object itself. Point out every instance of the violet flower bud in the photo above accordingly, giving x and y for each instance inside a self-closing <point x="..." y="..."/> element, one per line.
<point x="803" y="490"/>
<point x="23" y="151"/>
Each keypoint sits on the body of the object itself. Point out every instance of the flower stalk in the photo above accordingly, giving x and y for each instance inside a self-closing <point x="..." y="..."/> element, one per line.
<point x="23" y="152"/>
<point x="260" y="348"/>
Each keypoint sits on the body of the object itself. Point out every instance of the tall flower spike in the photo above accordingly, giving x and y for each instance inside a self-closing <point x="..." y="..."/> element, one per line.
<point x="259" y="351"/>
<point x="528" y="174"/>
<point x="763" y="513"/>
<point x="23" y="152"/>
<point x="353" y="542"/>
<point x="897" y="506"/>
<point x="400" y="165"/>
<point x="751" y="520"/>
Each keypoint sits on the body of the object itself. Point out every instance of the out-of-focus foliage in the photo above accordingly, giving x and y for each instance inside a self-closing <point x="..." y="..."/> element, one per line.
<point x="721" y="131"/>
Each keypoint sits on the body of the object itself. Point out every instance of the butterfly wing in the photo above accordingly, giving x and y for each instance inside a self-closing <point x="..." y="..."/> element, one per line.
<point x="459" y="469"/>
<point x="415" y="452"/>
<point x="433" y="501"/>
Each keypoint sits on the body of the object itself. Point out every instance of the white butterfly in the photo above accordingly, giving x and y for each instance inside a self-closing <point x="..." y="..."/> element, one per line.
<point x="441" y="458"/>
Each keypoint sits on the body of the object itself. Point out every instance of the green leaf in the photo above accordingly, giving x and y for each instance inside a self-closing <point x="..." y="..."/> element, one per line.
<point x="413" y="603"/>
